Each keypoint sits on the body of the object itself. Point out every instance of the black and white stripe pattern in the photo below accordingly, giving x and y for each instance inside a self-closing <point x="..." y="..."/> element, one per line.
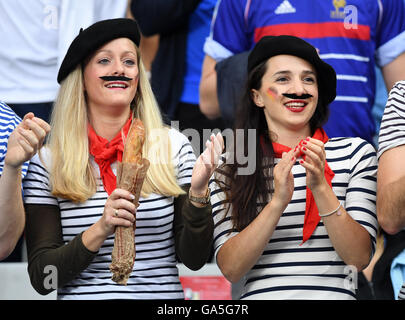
<point x="401" y="295"/>
<point x="313" y="270"/>
<point x="392" y="130"/>
<point x="155" y="274"/>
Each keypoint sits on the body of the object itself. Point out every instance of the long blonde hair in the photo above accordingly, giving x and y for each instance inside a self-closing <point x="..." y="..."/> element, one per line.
<point x="72" y="175"/>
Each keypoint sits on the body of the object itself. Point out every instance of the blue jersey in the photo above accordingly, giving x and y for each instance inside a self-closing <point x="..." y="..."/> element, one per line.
<point x="198" y="31"/>
<point x="352" y="36"/>
<point x="8" y="122"/>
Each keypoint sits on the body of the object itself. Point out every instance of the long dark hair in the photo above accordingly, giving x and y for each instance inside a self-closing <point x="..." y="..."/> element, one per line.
<point x="246" y="194"/>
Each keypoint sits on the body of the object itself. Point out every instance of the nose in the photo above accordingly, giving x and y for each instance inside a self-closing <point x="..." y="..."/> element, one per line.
<point x="118" y="68"/>
<point x="297" y="87"/>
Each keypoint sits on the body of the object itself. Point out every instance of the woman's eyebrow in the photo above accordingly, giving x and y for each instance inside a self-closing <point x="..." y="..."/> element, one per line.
<point x="109" y="51"/>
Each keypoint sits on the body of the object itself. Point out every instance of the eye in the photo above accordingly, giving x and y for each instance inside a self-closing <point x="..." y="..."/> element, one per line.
<point x="129" y="62"/>
<point x="309" y="79"/>
<point x="103" y="61"/>
<point x="282" y="79"/>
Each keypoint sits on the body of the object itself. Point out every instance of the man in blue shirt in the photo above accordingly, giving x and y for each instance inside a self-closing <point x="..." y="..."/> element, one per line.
<point x="351" y="35"/>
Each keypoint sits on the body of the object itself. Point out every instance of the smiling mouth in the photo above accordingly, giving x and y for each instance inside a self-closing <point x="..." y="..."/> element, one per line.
<point x="113" y="85"/>
<point x="296" y="105"/>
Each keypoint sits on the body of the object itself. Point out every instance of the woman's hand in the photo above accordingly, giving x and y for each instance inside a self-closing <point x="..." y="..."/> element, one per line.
<point x="314" y="162"/>
<point x="27" y="138"/>
<point x="206" y="164"/>
<point x="284" y="179"/>
<point x="119" y="210"/>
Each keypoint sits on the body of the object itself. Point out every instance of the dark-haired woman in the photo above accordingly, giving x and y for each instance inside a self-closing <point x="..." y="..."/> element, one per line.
<point x="303" y="224"/>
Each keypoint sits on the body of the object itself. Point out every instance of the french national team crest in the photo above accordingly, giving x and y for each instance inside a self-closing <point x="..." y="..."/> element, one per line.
<point x="339" y="12"/>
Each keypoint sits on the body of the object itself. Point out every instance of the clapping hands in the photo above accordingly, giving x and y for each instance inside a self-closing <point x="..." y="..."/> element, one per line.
<point x="206" y="164"/>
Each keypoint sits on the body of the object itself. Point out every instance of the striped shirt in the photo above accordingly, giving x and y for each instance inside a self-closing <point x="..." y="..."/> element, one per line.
<point x="313" y="270"/>
<point x="155" y="274"/>
<point x="392" y="131"/>
<point x="8" y="122"/>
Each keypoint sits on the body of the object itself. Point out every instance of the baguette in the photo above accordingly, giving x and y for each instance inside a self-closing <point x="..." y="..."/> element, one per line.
<point x="130" y="176"/>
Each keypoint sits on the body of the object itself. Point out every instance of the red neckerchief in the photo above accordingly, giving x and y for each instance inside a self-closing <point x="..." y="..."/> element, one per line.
<point x="106" y="152"/>
<point x="312" y="217"/>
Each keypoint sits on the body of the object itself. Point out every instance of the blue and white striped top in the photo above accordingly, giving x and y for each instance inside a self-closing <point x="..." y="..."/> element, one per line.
<point x="155" y="274"/>
<point x="313" y="270"/>
<point x="8" y="122"/>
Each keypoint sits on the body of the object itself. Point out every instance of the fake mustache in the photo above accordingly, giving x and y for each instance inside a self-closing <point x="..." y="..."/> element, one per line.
<point x="115" y="78"/>
<point x="295" y="97"/>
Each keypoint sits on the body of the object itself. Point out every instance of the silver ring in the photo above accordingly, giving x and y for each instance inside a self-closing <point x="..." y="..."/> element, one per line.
<point x="116" y="212"/>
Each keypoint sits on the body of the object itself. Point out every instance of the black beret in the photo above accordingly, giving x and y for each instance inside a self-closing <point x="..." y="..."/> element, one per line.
<point x="94" y="37"/>
<point x="270" y="46"/>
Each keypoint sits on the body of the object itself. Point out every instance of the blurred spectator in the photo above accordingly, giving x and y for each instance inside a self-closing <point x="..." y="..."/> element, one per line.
<point x="352" y="36"/>
<point x="183" y="26"/>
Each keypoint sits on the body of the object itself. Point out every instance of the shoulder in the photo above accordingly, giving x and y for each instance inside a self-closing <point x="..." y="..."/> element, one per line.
<point x="395" y="102"/>
<point x="177" y="139"/>
<point x="179" y="143"/>
<point x="398" y="88"/>
<point x="349" y="147"/>
<point x="392" y="130"/>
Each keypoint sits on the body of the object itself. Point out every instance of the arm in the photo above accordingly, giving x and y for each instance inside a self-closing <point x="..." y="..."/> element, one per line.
<point x="390" y="190"/>
<point x="23" y="143"/>
<point x="228" y="36"/>
<point x="45" y="248"/>
<point x="12" y="212"/>
<point x="45" y="242"/>
<point x="118" y="211"/>
<point x="394" y="71"/>
<point x="240" y="253"/>
<point x="209" y="104"/>
<point x="350" y="239"/>
<point x="193" y="229"/>
<point x="193" y="224"/>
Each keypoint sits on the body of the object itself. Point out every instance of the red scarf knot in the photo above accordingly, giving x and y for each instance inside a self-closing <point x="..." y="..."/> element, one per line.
<point x="312" y="217"/>
<point x="107" y="152"/>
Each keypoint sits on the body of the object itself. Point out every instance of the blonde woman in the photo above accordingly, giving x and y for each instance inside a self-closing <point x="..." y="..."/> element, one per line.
<point x="72" y="202"/>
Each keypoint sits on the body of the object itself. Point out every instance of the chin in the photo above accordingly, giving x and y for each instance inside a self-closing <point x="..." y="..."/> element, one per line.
<point x="119" y="104"/>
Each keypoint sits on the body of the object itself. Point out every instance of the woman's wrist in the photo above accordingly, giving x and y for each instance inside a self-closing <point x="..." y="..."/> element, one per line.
<point x="321" y="189"/>
<point x="276" y="206"/>
<point x="94" y="237"/>
<point x="198" y="192"/>
<point x="199" y="198"/>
